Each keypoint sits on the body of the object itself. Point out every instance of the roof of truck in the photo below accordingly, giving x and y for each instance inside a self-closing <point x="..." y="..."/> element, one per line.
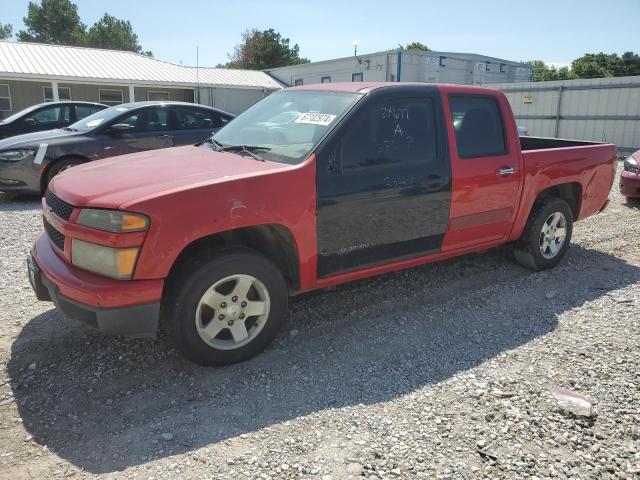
<point x="364" y="87"/>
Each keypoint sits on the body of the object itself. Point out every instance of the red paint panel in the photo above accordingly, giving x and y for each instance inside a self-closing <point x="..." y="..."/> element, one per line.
<point x="91" y="289"/>
<point x="590" y="167"/>
<point x="478" y="189"/>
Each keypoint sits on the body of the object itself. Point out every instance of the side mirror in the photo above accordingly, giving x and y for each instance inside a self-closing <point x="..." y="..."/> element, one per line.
<point x="119" y="128"/>
<point x="29" y="121"/>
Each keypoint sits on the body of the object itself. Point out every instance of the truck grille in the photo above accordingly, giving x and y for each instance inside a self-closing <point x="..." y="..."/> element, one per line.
<point x="57" y="206"/>
<point x="56" y="237"/>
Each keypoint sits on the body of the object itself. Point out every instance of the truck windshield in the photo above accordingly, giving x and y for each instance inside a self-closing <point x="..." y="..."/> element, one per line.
<point x="286" y="125"/>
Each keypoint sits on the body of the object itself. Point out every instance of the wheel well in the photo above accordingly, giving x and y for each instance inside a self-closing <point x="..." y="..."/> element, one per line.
<point x="273" y="241"/>
<point x="45" y="170"/>
<point x="569" y="192"/>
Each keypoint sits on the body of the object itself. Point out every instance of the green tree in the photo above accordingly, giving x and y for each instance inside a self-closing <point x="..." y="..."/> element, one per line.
<point x="264" y="49"/>
<point x="593" y="65"/>
<point x="6" y="31"/>
<point x="53" y="21"/>
<point x="543" y="72"/>
<point x="110" y="32"/>
<point x="417" y="46"/>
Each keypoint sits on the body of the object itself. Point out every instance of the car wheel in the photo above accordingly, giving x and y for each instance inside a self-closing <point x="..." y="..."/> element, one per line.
<point x="60" y="166"/>
<point x="546" y="236"/>
<point x="226" y="308"/>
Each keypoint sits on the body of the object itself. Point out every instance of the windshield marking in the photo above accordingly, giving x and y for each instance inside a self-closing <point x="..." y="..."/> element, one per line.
<point x="42" y="149"/>
<point x="313" y="118"/>
<point x="95" y="123"/>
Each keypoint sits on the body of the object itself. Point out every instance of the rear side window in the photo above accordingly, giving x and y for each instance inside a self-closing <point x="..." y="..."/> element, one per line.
<point x="147" y="120"/>
<point x="195" y="119"/>
<point x="83" y="111"/>
<point x="389" y="133"/>
<point x="478" y="126"/>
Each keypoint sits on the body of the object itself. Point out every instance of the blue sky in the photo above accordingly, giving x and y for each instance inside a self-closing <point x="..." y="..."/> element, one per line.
<point x="552" y="30"/>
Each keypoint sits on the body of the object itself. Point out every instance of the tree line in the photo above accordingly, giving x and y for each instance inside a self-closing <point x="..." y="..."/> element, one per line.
<point x="58" y="22"/>
<point x="590" y="65"/>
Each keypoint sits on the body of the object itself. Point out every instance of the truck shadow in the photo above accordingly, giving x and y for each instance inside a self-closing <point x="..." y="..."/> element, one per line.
<point x="103" y="403"/>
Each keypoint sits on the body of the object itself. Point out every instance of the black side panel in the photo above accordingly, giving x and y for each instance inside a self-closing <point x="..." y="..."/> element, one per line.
<point x="384" y="181"/>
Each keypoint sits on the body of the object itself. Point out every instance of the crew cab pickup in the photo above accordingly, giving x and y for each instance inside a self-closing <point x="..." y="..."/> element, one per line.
<point x="311" y="187"/>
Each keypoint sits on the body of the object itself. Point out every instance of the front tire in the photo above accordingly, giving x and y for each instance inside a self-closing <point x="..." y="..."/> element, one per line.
<point x="60" y="166"/>
<point x="546" y="236"/>
<point x="226" y="307"/>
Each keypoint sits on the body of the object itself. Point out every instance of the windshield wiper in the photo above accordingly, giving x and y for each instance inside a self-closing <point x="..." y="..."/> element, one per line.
<point x="70" y="129"/>
<point x="244" y="148"/>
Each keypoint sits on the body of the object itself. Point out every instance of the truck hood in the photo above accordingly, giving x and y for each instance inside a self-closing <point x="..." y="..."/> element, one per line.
<point x="118" y="181"/>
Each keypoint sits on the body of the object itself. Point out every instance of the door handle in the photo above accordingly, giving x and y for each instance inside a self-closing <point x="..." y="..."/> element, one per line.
<point x="505" y="171"/>
<point x="164" y="136"/>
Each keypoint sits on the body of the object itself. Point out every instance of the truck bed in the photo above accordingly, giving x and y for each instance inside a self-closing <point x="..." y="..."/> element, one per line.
<point x="540" y="143"/>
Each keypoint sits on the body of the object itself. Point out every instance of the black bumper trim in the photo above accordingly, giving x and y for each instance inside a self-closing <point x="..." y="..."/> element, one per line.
<point x="137" y="321"/>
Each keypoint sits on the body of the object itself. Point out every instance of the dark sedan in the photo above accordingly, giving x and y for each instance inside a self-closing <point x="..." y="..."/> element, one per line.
<point x="28" y="162"/>
<point x="47" y="116"/>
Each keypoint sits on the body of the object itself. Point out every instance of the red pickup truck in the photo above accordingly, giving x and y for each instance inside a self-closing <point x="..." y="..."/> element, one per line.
<point x="311" y="187"/>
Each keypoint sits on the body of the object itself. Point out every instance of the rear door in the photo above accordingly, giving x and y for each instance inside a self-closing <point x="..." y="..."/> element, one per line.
<point x="383" y="182"/>
<point x="196" y="124"/>
<point x="486" y="166"/>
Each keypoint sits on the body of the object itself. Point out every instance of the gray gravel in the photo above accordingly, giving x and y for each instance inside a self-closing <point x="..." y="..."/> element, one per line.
<point x="443" y="371"/>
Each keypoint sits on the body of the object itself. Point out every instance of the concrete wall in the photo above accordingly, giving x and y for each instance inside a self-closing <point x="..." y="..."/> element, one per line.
<point x="416" y="66"/>
<point x="232" y="100"/>
<point x="600" y="109"/>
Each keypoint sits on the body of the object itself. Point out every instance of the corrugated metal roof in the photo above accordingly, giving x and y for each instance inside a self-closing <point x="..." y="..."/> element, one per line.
<point x="56" y="62"/>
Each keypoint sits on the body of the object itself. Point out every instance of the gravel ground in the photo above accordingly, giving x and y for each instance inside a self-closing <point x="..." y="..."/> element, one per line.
<point x="443" y="371"/>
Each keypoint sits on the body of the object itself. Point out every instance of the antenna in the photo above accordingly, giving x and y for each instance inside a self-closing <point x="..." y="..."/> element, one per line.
<point x="198" y="72"/>
<point x="355" y="44"/>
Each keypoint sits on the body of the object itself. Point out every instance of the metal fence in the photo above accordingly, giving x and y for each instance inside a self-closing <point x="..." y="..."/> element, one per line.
<point x="600" y="109"/>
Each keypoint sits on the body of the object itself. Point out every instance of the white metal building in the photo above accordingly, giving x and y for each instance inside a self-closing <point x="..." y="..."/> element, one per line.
<point x="598" y="109"/>
<point x="407" y="66"/>
<point x="32" y="73"/>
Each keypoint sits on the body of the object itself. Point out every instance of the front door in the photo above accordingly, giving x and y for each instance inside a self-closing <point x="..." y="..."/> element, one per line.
<point x="384" y="182"/>
<point x="150" y="128"/>
<point x="47" y="118"/>
<point x="486" y="170"/>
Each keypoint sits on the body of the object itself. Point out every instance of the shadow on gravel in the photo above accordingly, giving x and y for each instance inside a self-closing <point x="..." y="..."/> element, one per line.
<point x="632" y="203"/>
<point x="104" y="403"/>
<point x="16" y="203"/>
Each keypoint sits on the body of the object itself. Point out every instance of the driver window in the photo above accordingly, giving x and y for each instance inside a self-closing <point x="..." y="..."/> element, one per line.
<point x="390" y="133"/>
<point x="53" y="114"/>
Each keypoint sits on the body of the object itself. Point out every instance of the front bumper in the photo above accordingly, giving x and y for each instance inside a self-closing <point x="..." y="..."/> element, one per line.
<point x="130" y="308"/>
<point x="630" y="184"/>
<point x="22" y="176"/>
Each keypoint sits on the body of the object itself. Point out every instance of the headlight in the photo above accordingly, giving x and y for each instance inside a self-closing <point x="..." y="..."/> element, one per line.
<point x="631" y="165"/>
<point x="112" y="220"/>
<point x="116" y="263"/>
<point x="15" y="155"/>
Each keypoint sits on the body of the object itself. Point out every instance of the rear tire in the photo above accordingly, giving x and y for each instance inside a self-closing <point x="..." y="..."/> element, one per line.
<point x="60" y="166"/>
<point x="546" y="236"/>
<point x="211" y="319"/>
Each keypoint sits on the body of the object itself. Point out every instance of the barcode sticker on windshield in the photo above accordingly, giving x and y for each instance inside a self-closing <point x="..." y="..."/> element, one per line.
<point x="323" y="119"/>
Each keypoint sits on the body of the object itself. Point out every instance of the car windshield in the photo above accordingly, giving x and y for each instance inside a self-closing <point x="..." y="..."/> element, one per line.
<point x="99" y="118"/>
<point x="286" y="125"/>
